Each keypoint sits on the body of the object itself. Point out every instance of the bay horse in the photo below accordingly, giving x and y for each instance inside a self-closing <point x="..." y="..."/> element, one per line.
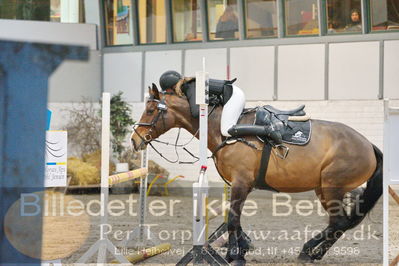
<point x="337" y="160"/>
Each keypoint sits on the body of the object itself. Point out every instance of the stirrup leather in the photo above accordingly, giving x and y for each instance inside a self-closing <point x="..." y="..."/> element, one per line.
<point x="231" y="141"/>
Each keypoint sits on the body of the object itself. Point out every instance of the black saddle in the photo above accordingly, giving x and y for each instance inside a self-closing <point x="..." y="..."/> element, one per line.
<point x="294" y="112"/>
<point x="292" y="132"/>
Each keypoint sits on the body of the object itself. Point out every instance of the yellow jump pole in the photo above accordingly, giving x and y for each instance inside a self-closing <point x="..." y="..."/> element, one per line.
<point x="393" y="194"/>
<point x="226" y="200"/>
<point x="122" y="177"/>
<point x="165" y="186"/>
<point x="152" y="183"/>
<point x="396" y="198"/>
<point x="224" y="208"/>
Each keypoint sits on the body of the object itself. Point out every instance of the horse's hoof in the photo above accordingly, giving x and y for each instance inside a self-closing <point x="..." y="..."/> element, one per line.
<point x="237" y="263"/>
<point x="304" y="258"/>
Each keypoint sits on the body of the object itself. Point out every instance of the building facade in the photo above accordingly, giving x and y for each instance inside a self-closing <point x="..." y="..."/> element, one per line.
<point x="341" y="58"/>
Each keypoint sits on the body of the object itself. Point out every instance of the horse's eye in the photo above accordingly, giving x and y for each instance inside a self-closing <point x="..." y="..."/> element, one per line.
<point x="150" y="111"/>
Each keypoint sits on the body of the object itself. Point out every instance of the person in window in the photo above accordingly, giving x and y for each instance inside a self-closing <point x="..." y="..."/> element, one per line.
<point x="233" y="104"/>
<point x="356" y="21"/>
<point x="227" y="25"/>
<point x="333" y="25"/>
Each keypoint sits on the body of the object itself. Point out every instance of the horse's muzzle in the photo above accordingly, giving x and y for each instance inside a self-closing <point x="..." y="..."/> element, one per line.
<point x="137" y="143"/>
<point x="133" y="145"/>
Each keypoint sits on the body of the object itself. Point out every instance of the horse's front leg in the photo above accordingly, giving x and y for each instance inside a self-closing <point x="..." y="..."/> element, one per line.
<point x="237" y="244"/>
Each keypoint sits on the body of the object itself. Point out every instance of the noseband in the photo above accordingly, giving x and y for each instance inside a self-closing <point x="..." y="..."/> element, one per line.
<point x="162" y="108"/>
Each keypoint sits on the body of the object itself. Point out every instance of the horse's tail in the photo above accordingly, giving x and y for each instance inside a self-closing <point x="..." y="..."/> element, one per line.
<point x="372" y="192"/>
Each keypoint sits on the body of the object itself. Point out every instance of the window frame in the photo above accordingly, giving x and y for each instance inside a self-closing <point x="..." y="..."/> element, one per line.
<point x="172" y="25"/>
<point x="370" y="30"/>
<point x="208" y="39"/>
<point x="284" y="24"/>
<point x="343" y="33"/>
<point x="138" y="25"/>
<point x="242" y="13"/>
<point x="244" y="18"/>
<point x="104" y="31"/>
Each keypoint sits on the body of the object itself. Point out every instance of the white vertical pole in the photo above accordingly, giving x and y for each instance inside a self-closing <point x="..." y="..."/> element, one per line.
<point x="200" y="189"/>
<point x="104" y="244"/>
<point x="203" y="116"/>
<point x="143" y="198"/>
<point x="105" y="136"/>
<point x="385" y="193"/>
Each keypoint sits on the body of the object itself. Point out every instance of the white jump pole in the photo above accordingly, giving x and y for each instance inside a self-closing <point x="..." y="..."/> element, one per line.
<point x="105" y="135"/>
<point x="200" y="189"/>
<point x="104" y="244"/>
<point x="391" y="168"/>
<point x="385" y="193"/>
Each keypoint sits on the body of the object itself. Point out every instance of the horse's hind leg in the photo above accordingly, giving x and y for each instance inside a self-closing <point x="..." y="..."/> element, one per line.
<point x="237" y="244"/>
<point x="339" y="221"/>
<point x="305" y="255"/>
<point x="317" y="247"/>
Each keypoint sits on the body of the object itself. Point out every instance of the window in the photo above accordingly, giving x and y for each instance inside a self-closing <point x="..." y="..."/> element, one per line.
<point x="384" y="15"/>
<point x="67" y="11"/>
<point x="118" y="22"/>
<point x="301" y="17"/>
<point x="223" y="20"/>
<point x="55" y="11"/>
<point x="261" y="18"/>
<point x="344" y="16"/>
<point x="152" y="21"/>
<point x="186" y="21"/>
<point x="25" y="10"/>
<point x="44" y="10"/>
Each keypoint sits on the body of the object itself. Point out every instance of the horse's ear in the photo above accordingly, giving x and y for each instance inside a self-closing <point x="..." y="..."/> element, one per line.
<point x="154" y="91"/>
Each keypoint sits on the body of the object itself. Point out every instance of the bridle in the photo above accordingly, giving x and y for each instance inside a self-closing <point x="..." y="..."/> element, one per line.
<point x="147" y="139"/>
<point x="162" y="108"/>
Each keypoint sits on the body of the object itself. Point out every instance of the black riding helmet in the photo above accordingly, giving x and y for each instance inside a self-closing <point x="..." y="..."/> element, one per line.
<point x="169" y="79"/>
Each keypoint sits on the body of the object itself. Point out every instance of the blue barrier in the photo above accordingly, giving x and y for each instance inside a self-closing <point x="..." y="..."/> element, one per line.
<point x="24" y="72"/>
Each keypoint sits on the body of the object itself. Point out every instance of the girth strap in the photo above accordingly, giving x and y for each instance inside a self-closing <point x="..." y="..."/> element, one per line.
<point x="260" y="182"/>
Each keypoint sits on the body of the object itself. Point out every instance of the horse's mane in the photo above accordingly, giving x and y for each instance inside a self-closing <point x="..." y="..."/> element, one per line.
<point x="180" y="83"/>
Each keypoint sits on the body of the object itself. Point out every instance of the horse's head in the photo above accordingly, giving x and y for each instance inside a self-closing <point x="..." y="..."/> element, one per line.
<point x="163" y="111"/>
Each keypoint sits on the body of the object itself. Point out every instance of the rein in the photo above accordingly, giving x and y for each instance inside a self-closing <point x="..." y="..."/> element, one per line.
<point x="219" y="147"/>
<point x="147" y="139"/>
